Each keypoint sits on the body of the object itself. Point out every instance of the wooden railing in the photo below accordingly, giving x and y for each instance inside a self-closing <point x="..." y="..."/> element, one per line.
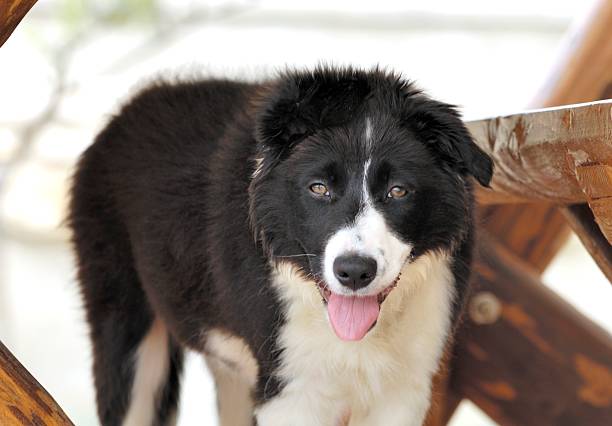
<point x="524" y="356"/>
<point x="23" y="401"/>
<point x="11" y="14"/>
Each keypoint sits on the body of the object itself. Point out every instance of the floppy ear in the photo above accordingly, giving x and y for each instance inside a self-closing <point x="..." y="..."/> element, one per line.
<point x="440" y="127"/>
<point x="302" y="103"/>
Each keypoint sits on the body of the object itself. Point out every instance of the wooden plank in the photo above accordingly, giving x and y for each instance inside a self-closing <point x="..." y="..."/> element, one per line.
<point x="595" y="180"/>
<point x="580" y="56"/>
<point x="526" y="356"/>
<point x="11" y="14"/>
<point x="541" y="155"/>
<point x="23" y="401"/>
<point x="602" y="210"/>
<point x="596" y="183"/>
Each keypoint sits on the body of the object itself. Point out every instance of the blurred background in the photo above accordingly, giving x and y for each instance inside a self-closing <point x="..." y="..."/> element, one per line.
<point x="71" y="63"/>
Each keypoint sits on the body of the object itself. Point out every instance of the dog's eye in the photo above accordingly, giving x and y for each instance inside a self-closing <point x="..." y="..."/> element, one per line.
<point x="397" y="192"/>
<point x="319" y="189"/>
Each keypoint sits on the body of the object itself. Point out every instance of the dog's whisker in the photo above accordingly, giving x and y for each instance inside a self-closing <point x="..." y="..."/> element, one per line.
<point x="297" y="255"/>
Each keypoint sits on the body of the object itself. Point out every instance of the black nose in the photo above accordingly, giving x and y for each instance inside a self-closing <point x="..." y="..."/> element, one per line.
<point x="354" y="272"/>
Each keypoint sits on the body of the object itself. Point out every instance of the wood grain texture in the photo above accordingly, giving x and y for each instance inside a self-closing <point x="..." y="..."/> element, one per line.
<point x="23" y="401"/>
<point x="548" y="154"/>
<point x="602" y="210"/>
<point x="595" y="180"/>
<point x="567" y="84"/>
<point x="596" y="183"/>
<point x="540" y="362"/>
<point x="534" y="232"/>
<point x="11" y="14"/>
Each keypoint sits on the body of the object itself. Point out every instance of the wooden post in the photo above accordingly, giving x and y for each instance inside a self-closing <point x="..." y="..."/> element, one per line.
<point x="11" y="14"/>
<point x="23" y="401"/>
<point x="527" y="357"/>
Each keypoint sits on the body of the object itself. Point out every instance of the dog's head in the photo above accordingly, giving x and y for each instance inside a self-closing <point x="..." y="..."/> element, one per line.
<point x="357" y="174"/>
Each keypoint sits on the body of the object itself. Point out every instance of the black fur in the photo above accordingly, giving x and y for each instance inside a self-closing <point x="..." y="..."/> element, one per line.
<point x="165" y="206"/>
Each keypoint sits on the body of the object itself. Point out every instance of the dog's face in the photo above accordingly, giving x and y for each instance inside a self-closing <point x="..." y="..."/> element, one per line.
<point x="358" y="174"/>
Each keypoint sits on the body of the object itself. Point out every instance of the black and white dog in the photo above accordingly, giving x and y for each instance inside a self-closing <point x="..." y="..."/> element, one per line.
<point x="310" y="235"/>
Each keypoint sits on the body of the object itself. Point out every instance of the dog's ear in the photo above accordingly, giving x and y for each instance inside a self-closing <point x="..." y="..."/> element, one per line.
<point x="299" y="104"/>
<point x="440" y="127"/>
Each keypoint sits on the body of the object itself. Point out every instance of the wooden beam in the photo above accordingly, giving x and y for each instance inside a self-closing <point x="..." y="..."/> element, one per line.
<point x="549" y="154"/>
<point x="583" y="71"/>
<point x="23" y="401"/>
<point x="596" y="183"/>
<point x="580" y="56"/>
<point x="536" y="232"/>
<point x="11" y="14"/>
<point x="526" y="357"/>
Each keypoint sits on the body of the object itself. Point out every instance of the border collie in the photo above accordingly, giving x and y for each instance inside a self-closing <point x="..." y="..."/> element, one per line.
<point x="310" y="235"/>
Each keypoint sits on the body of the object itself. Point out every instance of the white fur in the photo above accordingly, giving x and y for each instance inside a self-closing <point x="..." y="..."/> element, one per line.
<point x="368" y="132"/>
<point x="383" y="379"/>
<point x="368" y="236"/>
<point x="258" y="167"/>
<point x="151" y="367"/>
<point x="233" y="351"/>
<point x="235" y="370"/>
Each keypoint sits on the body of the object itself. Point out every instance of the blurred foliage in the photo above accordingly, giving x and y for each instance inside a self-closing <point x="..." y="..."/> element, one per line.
<point x="74" y="13"/>
<point x="77" y="18"/>
<point x="123" y="11"/>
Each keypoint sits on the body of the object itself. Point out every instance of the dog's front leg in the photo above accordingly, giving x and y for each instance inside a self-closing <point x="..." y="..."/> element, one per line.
<point x="299" y="407"/>
<point x="399" y="408"/>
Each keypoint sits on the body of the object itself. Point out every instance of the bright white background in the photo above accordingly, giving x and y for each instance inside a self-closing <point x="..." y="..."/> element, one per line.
<point x="70" y="64"/>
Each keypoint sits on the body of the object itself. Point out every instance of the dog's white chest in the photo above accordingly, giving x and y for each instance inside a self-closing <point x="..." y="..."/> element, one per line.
<point x="384" y="378"/>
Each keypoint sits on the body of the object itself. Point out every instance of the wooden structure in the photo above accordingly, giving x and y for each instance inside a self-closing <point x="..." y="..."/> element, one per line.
<point x="11" y="14"/>
<point x="548" y="374"/>
<point x="23" y="401"/>
<point x="524" y="356"/>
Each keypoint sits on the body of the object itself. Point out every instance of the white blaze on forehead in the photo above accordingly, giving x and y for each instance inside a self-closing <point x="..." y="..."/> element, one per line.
<point x="368" y="132"/>
<point x="364" y="186"/>
<point x="368" y="236"/>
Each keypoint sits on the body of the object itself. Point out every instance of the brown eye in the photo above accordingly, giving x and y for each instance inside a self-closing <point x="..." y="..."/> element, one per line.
<point x="397" y="192"/>
<point x="319" y="189"/>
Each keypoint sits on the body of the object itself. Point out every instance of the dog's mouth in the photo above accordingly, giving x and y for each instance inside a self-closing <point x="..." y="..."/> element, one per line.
<point x="325" y="292"/>
<point x="352" y="317"/>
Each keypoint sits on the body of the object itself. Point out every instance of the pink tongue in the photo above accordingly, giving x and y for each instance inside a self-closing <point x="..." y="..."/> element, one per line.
<point x="351" y="316"/>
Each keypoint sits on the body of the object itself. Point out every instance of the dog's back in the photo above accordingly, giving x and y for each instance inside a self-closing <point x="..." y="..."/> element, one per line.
<point x="161" y="139"/>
